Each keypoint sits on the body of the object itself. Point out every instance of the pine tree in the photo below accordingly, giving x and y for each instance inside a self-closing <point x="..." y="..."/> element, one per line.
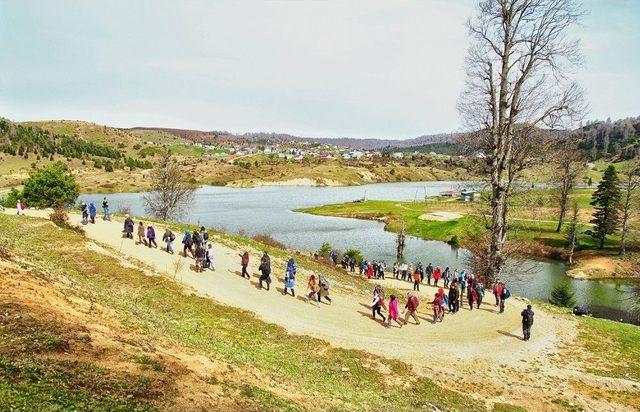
<point x="562" y="295"/>
<point x="605" y="200"/>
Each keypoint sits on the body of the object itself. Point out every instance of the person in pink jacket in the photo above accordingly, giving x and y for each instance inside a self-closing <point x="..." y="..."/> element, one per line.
<point x="393" y="311"/>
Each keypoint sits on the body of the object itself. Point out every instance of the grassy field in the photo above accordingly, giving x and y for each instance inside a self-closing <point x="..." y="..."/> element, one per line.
<point x="268" y="369"/>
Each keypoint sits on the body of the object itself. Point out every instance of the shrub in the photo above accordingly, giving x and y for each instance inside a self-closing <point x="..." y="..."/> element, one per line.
<point x="52" y="186"/>
<point x="454" y="241"/>
<point x="269" y="241"/>
<point x="11" y="199"/>
<point x="60" y="218"/>
<point x="325" y="249"/>
<point x="355" y="254"/>
<point x="562" y="295"/>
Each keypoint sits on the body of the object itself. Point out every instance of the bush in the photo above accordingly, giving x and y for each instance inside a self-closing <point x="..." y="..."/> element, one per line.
<point x="52" y="186"/>
<point x="562" y="295"/>
<point x="269" y="241"/>
<point x="60" y="218"/>
<point x="355" y="254"/>
<point x="325" y="249"/>
<point x="11" y="199"/>
<point x="454" y="241"/>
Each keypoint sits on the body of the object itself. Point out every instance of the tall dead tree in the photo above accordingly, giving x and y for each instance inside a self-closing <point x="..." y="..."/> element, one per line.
<point x="516" y="85"/>
<point x="400" y="244"/>
<point x="629" y="201"/>
<point x="170" y="195"/>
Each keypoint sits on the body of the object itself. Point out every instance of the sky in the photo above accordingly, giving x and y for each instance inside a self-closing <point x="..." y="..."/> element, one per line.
<point x="375" y="69"/>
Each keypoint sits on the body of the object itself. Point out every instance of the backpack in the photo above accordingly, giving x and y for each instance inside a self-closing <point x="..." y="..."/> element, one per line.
<point x="172" y="237"/>
<point x="506" y="294"/>
<point x="205" y="236"/>
<point x="323" y="282"/>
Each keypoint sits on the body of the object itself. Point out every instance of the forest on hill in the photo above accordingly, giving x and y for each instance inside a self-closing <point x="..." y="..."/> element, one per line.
<point x="619" y="139"/>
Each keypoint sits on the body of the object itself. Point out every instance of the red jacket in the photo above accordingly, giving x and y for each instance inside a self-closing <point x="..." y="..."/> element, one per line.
<point x="412" y="303"/>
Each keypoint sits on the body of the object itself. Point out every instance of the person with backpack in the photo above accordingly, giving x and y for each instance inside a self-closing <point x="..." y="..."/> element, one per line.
<point x="196" y="239"/>
<point x="92" y="212"/>
<point x="411" y="308"/>
<point x="265" y="268"/>
<point x="200" y="254"/>
<point x="187" y="242"/>
<point x="204" y="235"/>
<point x="169" y="237"/>
<point x="472" y="296"/>
<point x="436" y="275"/>
<point x="105" y="209"/>
<point x="85" y="213"/>
<point x="244" y="262"/>
<point x="496" y="292"/>
<point x="527" y="322"/>
<point x="481" y="291"/>
<point x="141" y="233"/>
<point x="504" y="295"/>
<point x="314" y="289"/>
<point x="438" y="314"/>
<point x="20" y="207"/>
<point x="446" y="276"/>
<point x="290" y="277"/>
<point x="378" y="303"/>
<point x="394" y="313"/>
<point x="323" y="292"/>
<point x="151" y="236"/>
<point x="128" y="227"/>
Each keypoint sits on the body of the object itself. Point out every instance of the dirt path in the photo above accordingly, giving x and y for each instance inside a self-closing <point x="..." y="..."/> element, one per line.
<point x="463" y="349"/>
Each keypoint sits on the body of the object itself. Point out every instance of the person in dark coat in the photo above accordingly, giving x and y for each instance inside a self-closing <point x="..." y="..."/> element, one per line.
<point x="265" y="269"/>
<point x="128" y="227"/>
<point x="527" y="322"/>
<point x="92" y="212"/>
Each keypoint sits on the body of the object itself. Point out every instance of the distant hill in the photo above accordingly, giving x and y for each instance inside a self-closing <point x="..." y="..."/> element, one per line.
<point x="619" y="139"/>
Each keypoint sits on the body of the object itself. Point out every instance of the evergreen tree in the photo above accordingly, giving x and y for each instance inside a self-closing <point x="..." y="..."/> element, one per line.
<point x="605" y="201"/>
<point x="562" y="295"/>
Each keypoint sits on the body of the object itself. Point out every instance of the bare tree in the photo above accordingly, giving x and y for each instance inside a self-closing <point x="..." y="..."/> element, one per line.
<point x="628" y="205"/>
<point x="568" y="158"/>
<point x="572" y="233"/>
<point x="517" y="84"/>
<point x="170" y="195"/>
<point x="400" y="244"/>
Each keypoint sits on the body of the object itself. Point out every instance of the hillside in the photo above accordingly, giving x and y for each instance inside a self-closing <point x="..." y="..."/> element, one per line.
<point x="96" y="322"/>
<point x="619" y="139"/>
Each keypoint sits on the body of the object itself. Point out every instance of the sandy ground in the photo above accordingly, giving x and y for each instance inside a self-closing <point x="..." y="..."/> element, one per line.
<point x="463" y="349"/>
<point x="440" y="216"/>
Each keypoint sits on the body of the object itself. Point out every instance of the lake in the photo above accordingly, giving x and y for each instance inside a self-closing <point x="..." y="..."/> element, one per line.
<point x="269" y="210"/>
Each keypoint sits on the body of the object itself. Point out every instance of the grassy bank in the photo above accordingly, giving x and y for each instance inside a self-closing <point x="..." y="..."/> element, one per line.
<point x="266" y="368"/>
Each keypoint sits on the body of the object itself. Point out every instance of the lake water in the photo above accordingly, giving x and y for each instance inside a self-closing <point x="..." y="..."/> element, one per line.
<point x="269" y="210"/>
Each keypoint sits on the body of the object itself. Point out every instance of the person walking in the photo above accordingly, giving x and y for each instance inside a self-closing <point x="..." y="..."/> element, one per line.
<point x="290" y="277"/>
<point x="436" y="275"/>
<point x="187" y="242"/>
<point x="323" y="292"/>
<point x="429" y="271"/>
<point x="151" y="236"/>
<point x="504" y="295"/>
<point x="438" y="313"/>
<point x="244" y="262"/>
<point x="20" y="207"/>
<point x="481" y="291"/>
<point x="105" y="209"/>
<point x="314" y="289"/>
<point x="411" y="308"/>
<point x="128" y="227"/>
<point x="393" y="311"/>
<point x="454" y="303"/>
<point x="416" y="281"/>
<point x="496" y="292"/>
<point x="169" y="237"/>
<point x="265" y="268"/>
<point x="208" y="258"/>
<point x="378" y="303"/>
<point x="446" y="276"/>
<point x="141" y="233"/>
<point x="527" y="322"/>
<point x="472" y="296"/>
<point x="85" y="213"/>
<point x="92" y="212"/>
<point x="200" y="254"/>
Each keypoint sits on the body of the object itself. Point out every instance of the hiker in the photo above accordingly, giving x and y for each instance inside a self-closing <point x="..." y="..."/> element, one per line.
<point x="204" y="235"/>
<point x="196" y="239"/>
<point x="169" y="237"/>
<point x="396" y="270"/>
<point x="141" y="233"/>
<point x="381" y="268"/>
<point x="85" y="213"/>
<point x="352" y="265"/>
<point x="416" y="281"/>
<point x="290" y="277"/>
<point x="378" y="303"/>
<point x="244" y="262"/>
<point x="323" y="292"/>
<point x="436" y="275"/>
<point x="411" y="308"/>
<point x="429" y="271"/>
<point x="208" y="258"/>
<point x="314" y="289"/>
<point x="105" y="209"/>
<point x="200" y="254"/>
<point x="496" y="292"/>
<point x="527" y="322"/>
<point x="480" y="290"/>
<point x="151" y="236"/>
<point x="472" y="296"/>
<point x="404" y="268"/>
<point x="20" y="207"/>
<point x="393" y="311"/>
<point x="92" y="212"/>
<point x="128" y="227"/>
<point x="265" y="268"/>
<point x="454" y="303"/>
<point x="438" y="314"/>
<point x="504" y="295"/>
<point x="187" y="242"/>
<point x="446" y="277"/>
